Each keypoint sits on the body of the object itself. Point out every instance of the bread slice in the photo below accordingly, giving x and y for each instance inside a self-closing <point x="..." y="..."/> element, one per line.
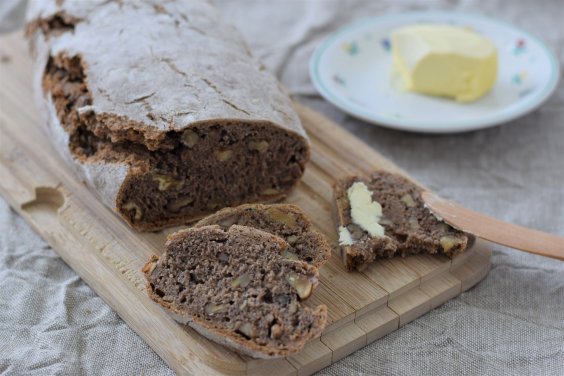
<point x="407" y="226"/>
<point x="165" y="126"/>
<point x="237" y="289"/>
<point x="285" y="220"/>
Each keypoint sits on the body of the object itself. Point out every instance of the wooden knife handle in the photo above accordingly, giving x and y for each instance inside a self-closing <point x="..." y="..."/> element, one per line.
<point x="494" y="230"/>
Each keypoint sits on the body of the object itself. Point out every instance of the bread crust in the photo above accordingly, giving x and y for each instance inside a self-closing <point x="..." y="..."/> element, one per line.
<point x="221" y="335"/>
<point x="423" y="234"/>
<point x="307" y="233"/>
<point x="143" y="90"/>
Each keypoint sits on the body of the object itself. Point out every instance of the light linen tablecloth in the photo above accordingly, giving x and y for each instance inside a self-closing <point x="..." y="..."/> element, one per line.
<point x="51" y="322"/>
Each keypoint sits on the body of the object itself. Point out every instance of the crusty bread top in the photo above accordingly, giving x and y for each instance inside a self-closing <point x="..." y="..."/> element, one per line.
<point x="171" y="65"/>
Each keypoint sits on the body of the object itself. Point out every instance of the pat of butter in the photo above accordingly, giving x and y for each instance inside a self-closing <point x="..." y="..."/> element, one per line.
<point x="445" y="60"/>
<point x="364" y="212"/>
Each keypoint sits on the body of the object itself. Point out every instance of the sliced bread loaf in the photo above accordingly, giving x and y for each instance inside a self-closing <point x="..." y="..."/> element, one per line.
<point x="285" y="220"/>
<point x="383" y="215"/>
<point x="237" y="289"/>
<point x="165" y="126"/>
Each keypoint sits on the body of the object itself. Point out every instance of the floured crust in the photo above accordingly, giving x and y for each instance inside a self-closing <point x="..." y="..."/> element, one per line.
<point x="221" y="334"/>
<point x="142" y="91"/>
<point x="163" y="80"/>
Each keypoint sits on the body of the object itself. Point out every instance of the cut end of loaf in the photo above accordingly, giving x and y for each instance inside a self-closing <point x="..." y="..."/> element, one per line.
<point x="176" y="176"/>
<point x="235" y="287"/>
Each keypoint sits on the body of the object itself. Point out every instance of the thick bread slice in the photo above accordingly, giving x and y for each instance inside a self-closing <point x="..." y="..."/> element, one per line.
<point x="409" y="227"/>
<point x="285" y="220"/>
<point x="161" y="109"/>
<point x="236" y="288"/>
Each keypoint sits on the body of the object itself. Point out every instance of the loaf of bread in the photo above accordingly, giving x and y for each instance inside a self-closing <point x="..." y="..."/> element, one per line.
<point x="236" y="288"/>
<point x="161" y="108"/>
<point x="284" y="220"/>
<point x="383" y="215"/>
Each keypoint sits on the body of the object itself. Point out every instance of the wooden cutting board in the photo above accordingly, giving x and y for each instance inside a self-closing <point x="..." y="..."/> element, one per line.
<point x="108" y="255"/>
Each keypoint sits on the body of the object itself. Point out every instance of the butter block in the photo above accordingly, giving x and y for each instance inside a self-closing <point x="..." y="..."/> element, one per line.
<point x="444" y="60"/>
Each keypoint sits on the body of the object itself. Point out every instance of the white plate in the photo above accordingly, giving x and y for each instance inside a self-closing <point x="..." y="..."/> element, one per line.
<point x="352" y="69"/>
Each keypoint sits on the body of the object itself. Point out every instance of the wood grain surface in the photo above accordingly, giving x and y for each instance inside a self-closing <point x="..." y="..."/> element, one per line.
<point x="108" y="255"/>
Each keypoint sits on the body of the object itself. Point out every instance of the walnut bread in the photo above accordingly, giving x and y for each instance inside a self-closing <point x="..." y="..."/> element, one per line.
<point x="383" y="215"/>
<point x="235" y="287"/>
<point x="161" y="109"/>
<point x="284" y="220"/>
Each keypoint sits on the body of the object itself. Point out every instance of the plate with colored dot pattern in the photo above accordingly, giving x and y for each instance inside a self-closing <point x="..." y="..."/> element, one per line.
<point x="352" y="68"/>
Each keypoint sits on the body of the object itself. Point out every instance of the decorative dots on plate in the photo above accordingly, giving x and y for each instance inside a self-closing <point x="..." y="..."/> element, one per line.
<point x="518" y="78"/>
<point x="520" y="46"/>
<point x="350" y="48"/>
<point x="339" y="80"/>
<point x="386" y="44"/>
<point x="525" y="92"/>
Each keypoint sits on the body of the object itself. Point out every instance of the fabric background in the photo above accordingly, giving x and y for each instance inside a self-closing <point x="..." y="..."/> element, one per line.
<point x="51" y="322"/>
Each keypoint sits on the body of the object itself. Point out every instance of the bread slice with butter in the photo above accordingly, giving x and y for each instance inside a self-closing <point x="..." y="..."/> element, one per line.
<point x="383" y="215"/>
